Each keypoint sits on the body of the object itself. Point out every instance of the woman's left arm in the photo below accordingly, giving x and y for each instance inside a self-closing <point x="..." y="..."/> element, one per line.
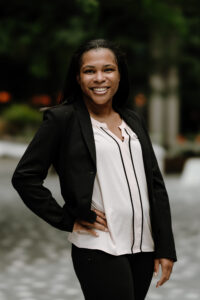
<point x="165" y="253"/>
<point x="163" y="234"/>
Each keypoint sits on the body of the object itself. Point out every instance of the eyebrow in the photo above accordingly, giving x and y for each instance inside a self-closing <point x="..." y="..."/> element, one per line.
<point x="105" y="66"/>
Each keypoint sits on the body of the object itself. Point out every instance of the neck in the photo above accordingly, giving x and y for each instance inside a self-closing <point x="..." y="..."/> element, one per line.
<point x="101" y="111"/>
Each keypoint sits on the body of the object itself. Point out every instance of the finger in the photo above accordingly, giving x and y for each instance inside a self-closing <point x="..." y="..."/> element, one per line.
<point x="92" y="232"/>
<point x="163" y="279"/>
<point x="100" y="213"/>
<point x="166" y="272"/>
<point x="81" y="229"/>
<point x="95" y="225"/>
<point x="101" y="221"/>
<point x="156" y="267"/>
<point x="85" y="223"/>
<point x="99" y="226"/>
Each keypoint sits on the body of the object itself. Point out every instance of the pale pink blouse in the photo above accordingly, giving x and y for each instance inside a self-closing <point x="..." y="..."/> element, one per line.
<point x="120" y="190"/>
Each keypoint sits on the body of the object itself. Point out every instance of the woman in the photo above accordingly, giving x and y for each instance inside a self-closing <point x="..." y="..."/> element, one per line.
<point x="116" y="205"/>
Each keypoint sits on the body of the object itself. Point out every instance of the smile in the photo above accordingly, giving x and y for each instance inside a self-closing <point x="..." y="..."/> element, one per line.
<point x="100" y="91"/>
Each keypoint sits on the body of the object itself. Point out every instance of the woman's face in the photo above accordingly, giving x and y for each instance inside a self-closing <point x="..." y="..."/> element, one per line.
<point x="99" y="76"/>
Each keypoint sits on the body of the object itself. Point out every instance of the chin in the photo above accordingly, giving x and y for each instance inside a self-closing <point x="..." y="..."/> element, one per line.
<point x="101" y="99"/>
<point x="98" y="99"/>
<point x="101" y="102"/>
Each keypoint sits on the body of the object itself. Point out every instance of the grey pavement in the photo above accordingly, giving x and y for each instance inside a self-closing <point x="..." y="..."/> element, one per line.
<point x="35" y="260"/>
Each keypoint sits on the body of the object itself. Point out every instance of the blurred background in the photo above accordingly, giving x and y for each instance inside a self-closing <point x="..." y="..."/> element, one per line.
<point x="162" y="42"/>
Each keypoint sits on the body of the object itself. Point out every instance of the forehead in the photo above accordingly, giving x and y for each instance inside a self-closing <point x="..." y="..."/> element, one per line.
<point x="98" y="56"/>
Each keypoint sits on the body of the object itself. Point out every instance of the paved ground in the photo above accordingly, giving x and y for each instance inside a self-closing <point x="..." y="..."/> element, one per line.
<point x="35" y="259"/>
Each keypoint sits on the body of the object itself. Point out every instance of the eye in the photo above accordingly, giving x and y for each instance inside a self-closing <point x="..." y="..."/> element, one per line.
<point x="108" y="70"/>
<point x="89" y="71"/>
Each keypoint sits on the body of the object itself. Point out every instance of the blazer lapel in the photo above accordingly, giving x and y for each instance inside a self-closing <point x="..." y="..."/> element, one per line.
<point x="86" y="127"/>
<point x="135" y="125"/>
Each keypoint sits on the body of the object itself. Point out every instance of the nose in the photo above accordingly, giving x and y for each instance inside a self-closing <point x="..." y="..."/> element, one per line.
<point x="99" y="77"/>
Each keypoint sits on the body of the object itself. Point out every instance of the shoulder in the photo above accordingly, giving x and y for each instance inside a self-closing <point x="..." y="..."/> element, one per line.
<point x="59" y="112"/>
<point x="133" y="115"/>
<point x="136" y="118"/>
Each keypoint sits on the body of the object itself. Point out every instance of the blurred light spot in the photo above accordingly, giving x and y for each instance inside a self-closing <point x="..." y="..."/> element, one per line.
<point x="41" y="100"/>
<point x="140" y="100"/>
<point x="5" y="97"/>
<point x="181" y="139"/>
<point x="197" y="139"/>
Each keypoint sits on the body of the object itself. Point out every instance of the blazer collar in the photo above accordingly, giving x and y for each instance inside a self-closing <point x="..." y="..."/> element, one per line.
<point x="87" y="131"/>
<point x="86" y="127"/>
<point x="135" y="124"/>
<point x="133" y="121"/>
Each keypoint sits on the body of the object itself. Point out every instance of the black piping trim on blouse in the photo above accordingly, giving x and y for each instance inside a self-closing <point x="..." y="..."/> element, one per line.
<point x="127" y="184"/>
<point x="129" y="143"/>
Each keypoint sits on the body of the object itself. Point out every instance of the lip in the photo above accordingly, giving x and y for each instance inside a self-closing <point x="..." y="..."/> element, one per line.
<point x="99" y="90"/>
<point x="99" y="87"/>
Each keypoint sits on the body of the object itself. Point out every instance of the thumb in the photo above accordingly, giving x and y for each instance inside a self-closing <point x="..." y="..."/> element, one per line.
<point x="156" y="267"/>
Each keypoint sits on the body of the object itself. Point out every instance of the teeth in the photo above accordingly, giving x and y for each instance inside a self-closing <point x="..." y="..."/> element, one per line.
<point x="99" y="89"/>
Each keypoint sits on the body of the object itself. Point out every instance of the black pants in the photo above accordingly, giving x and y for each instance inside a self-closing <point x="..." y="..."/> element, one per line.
<point x="107" y="277"/>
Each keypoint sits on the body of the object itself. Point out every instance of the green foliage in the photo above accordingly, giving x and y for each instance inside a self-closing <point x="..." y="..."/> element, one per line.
<point x="37" y="39"/>
<point x="88" y="6"/>
<point x="39" y="67"/>
<point x="165" y="16"/>
<point x="21" y="115"/>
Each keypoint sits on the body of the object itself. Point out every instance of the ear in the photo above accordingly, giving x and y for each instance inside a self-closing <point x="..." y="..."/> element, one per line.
<point x="78" y="78"/>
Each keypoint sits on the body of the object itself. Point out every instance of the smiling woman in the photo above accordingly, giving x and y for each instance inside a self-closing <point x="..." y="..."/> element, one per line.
<point x="98" y="78"/>
<point x="72" y="88"/>
<point x="116" y="204"/>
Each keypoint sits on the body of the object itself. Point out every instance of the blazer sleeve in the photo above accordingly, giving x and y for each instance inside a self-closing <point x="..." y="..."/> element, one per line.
<point x="165" y="246"/>
<point x="32" y="169"/>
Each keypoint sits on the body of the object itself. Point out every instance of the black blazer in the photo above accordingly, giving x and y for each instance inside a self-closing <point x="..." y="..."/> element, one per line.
<point x="65" y="140"/>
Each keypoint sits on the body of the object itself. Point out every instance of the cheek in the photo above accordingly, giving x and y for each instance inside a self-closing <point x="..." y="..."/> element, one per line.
<point x="85" y="80"/>
<point x="83" y="83"/>
<point x="117" y="80"/>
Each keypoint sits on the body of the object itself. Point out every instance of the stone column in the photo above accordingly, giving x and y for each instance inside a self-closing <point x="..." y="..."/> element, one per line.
<point x="164" y="100"/>
<point x="156" y="108"/>
<point x="172" y="107"/>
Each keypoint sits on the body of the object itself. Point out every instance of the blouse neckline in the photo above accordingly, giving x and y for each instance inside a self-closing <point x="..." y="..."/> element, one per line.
<point x="123" y="126"/>
<point x="104" y="125"/>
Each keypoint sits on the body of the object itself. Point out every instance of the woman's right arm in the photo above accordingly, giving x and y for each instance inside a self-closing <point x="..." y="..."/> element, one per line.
<point x="32" y="169"/>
